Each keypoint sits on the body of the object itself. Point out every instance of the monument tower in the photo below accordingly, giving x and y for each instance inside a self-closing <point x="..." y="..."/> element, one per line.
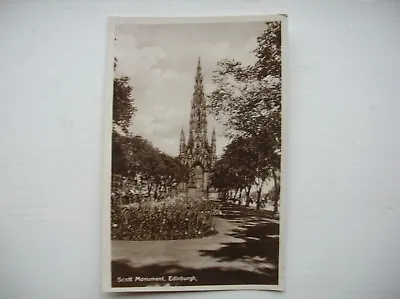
<point x="198" y="154"/>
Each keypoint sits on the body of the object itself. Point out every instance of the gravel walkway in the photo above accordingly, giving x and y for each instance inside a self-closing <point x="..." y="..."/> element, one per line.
<point x="245" y="251"/>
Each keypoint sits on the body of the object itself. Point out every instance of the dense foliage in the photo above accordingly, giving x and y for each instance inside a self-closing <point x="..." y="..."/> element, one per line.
<point x="247" y="100"/>
<point x="134" y="158"/>
<point x="145" y="204"/>
<point x="151" y="171"/>
<point x="123" y="108"/>
<point x="173" y="218"/>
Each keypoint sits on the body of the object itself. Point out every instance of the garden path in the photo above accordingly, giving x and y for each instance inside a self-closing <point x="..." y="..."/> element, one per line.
<point x="244" y="251"/>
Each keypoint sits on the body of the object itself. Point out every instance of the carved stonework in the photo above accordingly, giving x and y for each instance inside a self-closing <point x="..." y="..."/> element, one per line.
<point x="197" y="152"/>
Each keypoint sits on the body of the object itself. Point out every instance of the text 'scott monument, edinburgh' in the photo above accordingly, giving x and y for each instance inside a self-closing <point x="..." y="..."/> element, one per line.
<point x="197" y="154"/>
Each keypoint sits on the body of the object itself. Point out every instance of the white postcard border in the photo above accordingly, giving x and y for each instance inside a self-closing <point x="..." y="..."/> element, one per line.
<point x="107" y="151"/>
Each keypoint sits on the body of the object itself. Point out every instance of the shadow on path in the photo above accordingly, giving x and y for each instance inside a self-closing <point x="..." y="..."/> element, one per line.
<point x="260" y="236"/>
<point x="251" y="258"/>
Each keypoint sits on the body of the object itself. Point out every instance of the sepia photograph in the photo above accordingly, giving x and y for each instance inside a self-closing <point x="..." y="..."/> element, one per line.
<point x="193" y="154"/>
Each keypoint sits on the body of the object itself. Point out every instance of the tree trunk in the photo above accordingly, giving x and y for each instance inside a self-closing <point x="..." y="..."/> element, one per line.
<point x="259" y="193"/>
<point x="248" y="188"/>
<point x="275" y="207"/>
<point x="240" y="195"/>
<point x="258" y="206"/>
<point x="236" y="192"/>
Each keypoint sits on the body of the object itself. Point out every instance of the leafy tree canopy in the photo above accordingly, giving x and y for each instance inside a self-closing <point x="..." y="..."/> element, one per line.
<point x="123" y="102"/>
<point x="247" y="99"/>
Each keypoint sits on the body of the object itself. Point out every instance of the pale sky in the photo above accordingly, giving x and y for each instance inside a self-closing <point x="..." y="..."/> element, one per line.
<point x="161" y="61"/>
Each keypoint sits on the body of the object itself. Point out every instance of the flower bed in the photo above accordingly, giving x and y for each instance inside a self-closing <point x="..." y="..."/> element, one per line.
<point x="172" y="219"/>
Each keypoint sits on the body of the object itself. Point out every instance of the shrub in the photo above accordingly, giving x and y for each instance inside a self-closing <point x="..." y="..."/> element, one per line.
<point x="174" y="218"/>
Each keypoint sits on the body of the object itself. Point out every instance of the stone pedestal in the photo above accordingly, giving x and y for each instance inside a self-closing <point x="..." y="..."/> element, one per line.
<point x="205" y="181"/>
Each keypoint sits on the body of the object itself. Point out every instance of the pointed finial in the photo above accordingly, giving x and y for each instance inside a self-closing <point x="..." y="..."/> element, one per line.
<point x="198" y="64"/>
<point x="182" y="134"/>
<point x="198" y="72"/>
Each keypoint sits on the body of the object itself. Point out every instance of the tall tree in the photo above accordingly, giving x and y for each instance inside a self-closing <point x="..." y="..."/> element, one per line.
<point x="123" y="112"/>
<point x="123" y="101"/>
<point x="247" y="100"/>
<point x="149" y="167"/>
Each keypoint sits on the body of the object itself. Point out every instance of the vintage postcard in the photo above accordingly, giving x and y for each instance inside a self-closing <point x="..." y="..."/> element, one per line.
<point x="193" y="154"/>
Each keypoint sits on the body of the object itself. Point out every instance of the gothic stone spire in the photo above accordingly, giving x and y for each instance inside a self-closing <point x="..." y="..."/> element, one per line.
<point x="182" y="142"/>
<point x="213" y="144"/>
<point x="198" y="116"/>
<point x="198" y="154"/>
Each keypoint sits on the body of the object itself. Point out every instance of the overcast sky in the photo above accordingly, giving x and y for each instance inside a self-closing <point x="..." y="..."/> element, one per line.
<point x="161" y="61"/>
